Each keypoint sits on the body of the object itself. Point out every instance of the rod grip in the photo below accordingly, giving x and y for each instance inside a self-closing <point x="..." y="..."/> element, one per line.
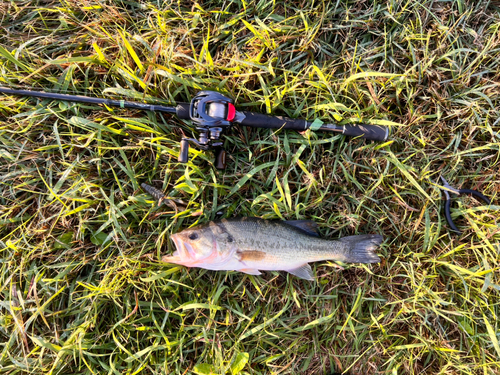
<point x="372" y="132"/>
<point x="259" y="120"/>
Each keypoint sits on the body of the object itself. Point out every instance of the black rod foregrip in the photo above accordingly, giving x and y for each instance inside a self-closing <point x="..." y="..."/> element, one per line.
<point x="258" y="120"/>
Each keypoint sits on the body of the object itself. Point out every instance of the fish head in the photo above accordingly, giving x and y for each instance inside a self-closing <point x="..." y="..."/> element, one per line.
<point x="203" y="244"/>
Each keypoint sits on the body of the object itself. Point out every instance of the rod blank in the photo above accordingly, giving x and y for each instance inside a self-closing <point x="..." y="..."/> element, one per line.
<point x="86" y="99"/>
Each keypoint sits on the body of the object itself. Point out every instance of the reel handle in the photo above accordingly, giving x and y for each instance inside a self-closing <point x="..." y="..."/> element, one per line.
<point x="220" y="153"/>
<point x="220" y="158"/>
<point x="183" y="153"/>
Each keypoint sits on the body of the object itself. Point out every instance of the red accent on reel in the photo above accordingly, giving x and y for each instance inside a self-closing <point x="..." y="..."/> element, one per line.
<point x="231" y="112"/>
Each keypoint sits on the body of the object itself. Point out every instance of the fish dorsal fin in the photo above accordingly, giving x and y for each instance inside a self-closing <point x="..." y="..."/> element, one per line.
<point x="307" y="226"/>
<point x="304" y="272"/>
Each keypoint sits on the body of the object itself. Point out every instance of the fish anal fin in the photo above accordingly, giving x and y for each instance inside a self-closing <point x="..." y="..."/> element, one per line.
<point x="307" y="226"/>
<point x="304" y="272"/>
<point x="250" y="271"/>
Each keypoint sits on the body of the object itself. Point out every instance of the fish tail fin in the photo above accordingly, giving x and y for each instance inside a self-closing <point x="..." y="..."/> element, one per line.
<point x="361" y="248"/>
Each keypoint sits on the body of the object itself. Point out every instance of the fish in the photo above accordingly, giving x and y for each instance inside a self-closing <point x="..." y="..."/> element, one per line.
<point x="252" y="244"/>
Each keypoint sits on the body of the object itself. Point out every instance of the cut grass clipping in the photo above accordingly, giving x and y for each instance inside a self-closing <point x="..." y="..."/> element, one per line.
<point x="82" y="287"/>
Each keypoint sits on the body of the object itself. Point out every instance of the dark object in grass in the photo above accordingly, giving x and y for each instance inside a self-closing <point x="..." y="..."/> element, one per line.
<point x="448" y="188"/>
<point x="212" y="113"/>
<point x="162" y="198"/>
<point x="251" y="244"/>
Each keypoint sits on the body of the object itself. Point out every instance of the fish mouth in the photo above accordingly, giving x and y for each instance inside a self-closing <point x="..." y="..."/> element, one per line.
<point x="184" y="250"/>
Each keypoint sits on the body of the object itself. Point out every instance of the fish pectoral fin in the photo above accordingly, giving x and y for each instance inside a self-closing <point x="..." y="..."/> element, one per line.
<point x="250" y="271"/>
<point x="304" y="272"/>
<point x="171" y="259"/>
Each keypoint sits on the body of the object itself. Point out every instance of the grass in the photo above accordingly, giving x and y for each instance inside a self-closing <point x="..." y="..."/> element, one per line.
<point x="82" y="288"/>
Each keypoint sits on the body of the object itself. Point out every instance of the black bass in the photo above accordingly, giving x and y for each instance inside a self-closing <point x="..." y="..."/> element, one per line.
<point x="251" y="245"/>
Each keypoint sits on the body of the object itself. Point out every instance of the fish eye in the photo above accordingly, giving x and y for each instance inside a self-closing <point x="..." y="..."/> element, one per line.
<point x="193" y="236"/>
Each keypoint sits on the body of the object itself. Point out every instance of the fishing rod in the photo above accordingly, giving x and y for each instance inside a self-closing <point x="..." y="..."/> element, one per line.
<point x="213" y="113"/>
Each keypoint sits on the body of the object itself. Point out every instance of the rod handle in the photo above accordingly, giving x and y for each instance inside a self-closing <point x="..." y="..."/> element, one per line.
<point x="372" y="132"/>
<point x="259" y="120"/>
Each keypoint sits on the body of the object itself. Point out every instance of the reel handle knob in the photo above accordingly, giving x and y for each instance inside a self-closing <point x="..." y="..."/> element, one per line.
<point x="183" y="154"/>
<point x="220" y="158"/>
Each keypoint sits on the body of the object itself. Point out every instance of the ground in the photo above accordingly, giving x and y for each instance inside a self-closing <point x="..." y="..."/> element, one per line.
<point x="82" y="286"/>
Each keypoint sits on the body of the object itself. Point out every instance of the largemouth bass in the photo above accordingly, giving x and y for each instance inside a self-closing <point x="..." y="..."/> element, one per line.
<point x="251" y="245"/>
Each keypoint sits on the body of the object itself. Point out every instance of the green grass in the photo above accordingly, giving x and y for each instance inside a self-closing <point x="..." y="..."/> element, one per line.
<point x="82" y="288"/>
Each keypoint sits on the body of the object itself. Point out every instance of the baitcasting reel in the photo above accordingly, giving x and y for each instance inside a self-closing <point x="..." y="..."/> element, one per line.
<point x="212" y="113"/>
